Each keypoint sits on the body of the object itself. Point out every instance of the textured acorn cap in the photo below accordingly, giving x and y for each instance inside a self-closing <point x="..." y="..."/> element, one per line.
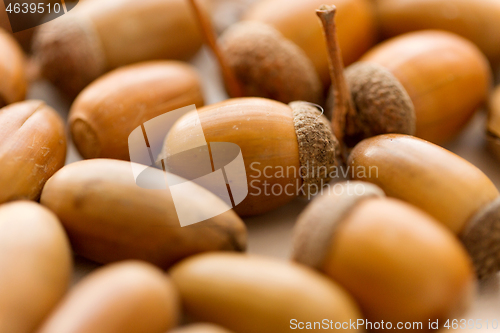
<point x="69" y="53"/>
<point x="382" y="104"/>
<point x="482" y="239"/>
<point x="268" y="65"/>
<point x="318" y="223"/>
<point x="319" y="150"/>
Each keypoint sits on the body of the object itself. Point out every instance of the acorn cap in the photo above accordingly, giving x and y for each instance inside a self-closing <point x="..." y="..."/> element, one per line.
<point x="69" y="53"/>
<point x="382" y="104"/>
<point x="268" y="65"/>
<point x="482" y="239"/>
<point x="317" y="225"/>
<point x="319" y="150"/>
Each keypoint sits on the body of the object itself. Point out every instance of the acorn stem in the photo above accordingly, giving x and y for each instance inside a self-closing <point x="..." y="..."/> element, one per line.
<point x="344" y="104"/>
<point x="232" y="84"/>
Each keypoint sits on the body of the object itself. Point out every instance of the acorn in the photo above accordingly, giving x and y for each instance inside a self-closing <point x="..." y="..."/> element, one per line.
<point x="297" y="22"/>
<point x="446" y="76"/>
<point x="365" y="101"/>
<point x="32" y="149"/>
<point x="111" y="216"/>
<point x="476" y="20"/>
<point x="35" y="265"/>
<point x="257" y="61"/>
<point x="399" y="263"/>
<point x="110" y="108"/>
<point x="98" y="36"/>
<point x="444" y="185"/>
<point x="14" y="84"/>
<point x="493" y="127"/>
<point x="288" y="150"/>
<point x="131" y="297"/>
<point x="249" y="294"/>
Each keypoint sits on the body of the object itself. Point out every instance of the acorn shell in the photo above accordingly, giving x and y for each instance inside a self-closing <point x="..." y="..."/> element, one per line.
<point x="268" y="65"/>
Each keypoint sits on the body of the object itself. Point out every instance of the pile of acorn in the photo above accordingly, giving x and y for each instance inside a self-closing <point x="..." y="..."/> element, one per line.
<point x="406" y="243"/>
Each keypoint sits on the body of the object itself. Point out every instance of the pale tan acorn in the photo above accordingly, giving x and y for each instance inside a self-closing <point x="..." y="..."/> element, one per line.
<point x="35" y="265"/>
<point x="249" y="294"/>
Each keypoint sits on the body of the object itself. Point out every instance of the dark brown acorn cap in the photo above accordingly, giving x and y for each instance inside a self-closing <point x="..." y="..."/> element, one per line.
<point x="381" y="102"/>
<point x="482" y="239"/>
<point x="69" y="53"/>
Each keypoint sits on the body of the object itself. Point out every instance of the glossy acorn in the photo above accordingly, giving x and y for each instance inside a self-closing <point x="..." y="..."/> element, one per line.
<point x="288" y="150"/>
<point x="110" y="108"/>
<point x="109" y="217"/>
<point x="446" y="186"/>
<point x="399" y="263"/>
<point x="446" y="77"/>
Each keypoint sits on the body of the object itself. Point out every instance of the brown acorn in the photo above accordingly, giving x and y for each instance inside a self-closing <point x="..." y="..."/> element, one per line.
<point x="257" y="61"/>
<point x="98" y="36"/>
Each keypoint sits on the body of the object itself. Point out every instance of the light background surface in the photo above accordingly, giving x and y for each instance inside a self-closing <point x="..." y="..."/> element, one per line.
<point x="271" y="234"/>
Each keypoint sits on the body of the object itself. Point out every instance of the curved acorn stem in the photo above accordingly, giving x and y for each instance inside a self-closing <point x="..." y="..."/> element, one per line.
<point x="233" y="85"/>
<point x="344" y="104"/>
